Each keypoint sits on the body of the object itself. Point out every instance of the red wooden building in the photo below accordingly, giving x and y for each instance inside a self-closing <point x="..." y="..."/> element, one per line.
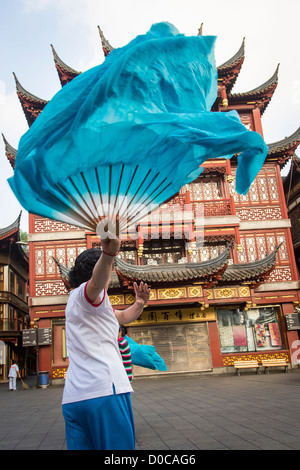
<point x="209" y="304"/>
<point x="14" y="312"/>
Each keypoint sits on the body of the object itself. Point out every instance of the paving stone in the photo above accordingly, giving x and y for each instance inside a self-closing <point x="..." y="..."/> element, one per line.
<point x="191" y="413"/>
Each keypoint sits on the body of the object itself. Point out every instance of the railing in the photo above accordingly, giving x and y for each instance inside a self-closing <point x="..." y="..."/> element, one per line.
<point x="214" y="208"/>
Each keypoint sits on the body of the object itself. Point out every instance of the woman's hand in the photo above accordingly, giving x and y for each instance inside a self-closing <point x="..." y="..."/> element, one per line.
<point x="111" y="246"/>
<point x="130" y="314"/>
<point x="142" y="293"/>
<point x="108" y="233"/>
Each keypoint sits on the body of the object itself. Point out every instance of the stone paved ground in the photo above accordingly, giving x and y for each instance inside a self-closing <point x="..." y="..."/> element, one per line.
<point x="200" y="412"/>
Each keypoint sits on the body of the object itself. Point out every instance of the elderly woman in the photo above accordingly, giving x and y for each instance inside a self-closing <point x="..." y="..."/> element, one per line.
<point x="96" y="399"/>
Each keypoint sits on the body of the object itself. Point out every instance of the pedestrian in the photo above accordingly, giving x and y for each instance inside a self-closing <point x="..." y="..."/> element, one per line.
<point x="96" y="399"/>
<point x="125" y="352"/>
<point x="13" y="373"/>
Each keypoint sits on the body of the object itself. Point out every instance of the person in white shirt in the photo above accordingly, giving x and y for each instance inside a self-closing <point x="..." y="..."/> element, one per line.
<point x="13" y="373"/>
<point x="96" y="399"/>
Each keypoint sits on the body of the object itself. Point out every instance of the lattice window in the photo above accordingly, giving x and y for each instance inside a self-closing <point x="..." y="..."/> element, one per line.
<point x="256" y="247"/>
<point x="128" y="255"/>
<point x="42" y="224"/>
<point x="50" y="263"/>
<point x="39" y="262"/>
<point x="163" y="251"/>
<point x="207" y="252"/>
<point x="263" y="190"/>
<point x="45" y="266"/>
<point x="207" y="188"/>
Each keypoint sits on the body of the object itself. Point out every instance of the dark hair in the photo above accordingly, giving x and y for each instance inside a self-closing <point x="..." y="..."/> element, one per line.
<point x="83" y="267"/>
<point x="123" y="330"/>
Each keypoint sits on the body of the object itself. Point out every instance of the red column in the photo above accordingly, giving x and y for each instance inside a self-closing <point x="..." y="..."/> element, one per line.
<point x="217" y="358"/>
<point x="257" y="121"/>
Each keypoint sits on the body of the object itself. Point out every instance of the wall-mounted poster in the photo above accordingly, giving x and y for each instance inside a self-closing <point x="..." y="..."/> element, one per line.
<point x="240" y="335"/>
<point x="261" y="338"/>
<point x="274" y="334"/>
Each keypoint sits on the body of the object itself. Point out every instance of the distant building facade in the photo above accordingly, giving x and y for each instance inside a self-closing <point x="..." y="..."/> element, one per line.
<point x="14" y="311"/>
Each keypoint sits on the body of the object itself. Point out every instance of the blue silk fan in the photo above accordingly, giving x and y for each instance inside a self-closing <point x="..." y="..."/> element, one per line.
<point x="125" y="136"/>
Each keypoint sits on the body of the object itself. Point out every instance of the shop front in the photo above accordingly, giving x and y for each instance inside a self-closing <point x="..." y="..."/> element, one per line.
<point x="193" y="340"/>
<point x="180" y="336"/>
<point x="256" y="333"/>
<point x="254" y="330"/>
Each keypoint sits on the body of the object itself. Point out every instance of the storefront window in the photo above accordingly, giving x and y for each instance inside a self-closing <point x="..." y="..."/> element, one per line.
<point x="256" y="329"/>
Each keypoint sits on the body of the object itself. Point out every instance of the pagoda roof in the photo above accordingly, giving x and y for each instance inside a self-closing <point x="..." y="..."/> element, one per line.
<point x="254" y="272"/>
<point x="31" y="104"/>
<point x="10" y="152"/>
<point x="65" y="73"/>
<point x="64" y="273"/>
<point x="261" y="95"/>
<point x="207" y="271"/>
<point x="293" y="174"/>
<point x="106" y="47"/>
<point x="284" y="149"/>
<point x="288" y="144"/>
<point x="12" y="230"/>
<point x="211" y="272"/>
<point x="9" y="236"/>
<point x="214" y="271"/>
<point x="200" y="30"/>
<point x="230" y="70"/>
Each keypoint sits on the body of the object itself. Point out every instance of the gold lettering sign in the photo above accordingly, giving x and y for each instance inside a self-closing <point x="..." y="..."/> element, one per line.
<point x="174" y="315"/>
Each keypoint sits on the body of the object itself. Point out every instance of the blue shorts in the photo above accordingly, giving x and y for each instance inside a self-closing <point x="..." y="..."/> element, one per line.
<point x="104" y="423"/>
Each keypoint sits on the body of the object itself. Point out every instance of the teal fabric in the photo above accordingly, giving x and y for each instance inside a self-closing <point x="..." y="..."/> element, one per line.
<point x="145" y="355"/>
<point x="125" y="136"/>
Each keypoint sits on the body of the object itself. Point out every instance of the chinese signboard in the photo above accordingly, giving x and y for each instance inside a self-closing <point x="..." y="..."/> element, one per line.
<point x="175" y="315"/>
<point x="292" y="321"/>
<point x="44" y="337"/>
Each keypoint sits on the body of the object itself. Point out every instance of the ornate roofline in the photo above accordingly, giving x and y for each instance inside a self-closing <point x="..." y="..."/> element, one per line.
<point x="11" y="229"/>
<point x="200" y="30"/>
<point x="255" y="271"/>
<point x="214" y="271"/>
<point x="211" y="272"/>
<point x="261" y="95"/>
<point x="29" y="96"/>
<point x="293" y="173"/>
<point x="10" y="152"/>
<point x="229" y="70"/>
<point x="65" y="73"/>
<point x="31" y="104"/>
<point x="288" y="143"/>
<point x="284" y="149"/>
<point x="9" y="236"/>
<point x="172" y="272"/>
<point x="106" y="47"/>
<point x="64" y="273"/>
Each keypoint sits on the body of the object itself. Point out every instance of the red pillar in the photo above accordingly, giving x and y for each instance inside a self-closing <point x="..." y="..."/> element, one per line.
<point x="217" y="358"/>
<point x="257" y="121"/>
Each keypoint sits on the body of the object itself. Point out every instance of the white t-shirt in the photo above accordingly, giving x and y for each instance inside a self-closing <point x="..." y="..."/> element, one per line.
<point x="95" y="363"/>
<point x="13" y="371"/>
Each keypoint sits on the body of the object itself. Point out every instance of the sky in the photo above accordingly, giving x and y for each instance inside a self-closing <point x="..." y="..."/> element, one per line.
<point x="28" y="27"/>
